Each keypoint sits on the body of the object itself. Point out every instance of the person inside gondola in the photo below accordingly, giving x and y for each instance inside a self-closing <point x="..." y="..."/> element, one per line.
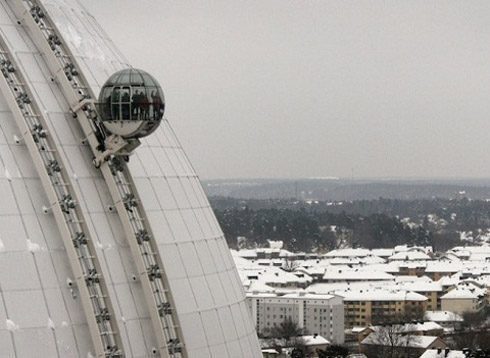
<point x="115" y="104"/>
<point x="135" y="104"/>
<point x="145" y="107"/>
<point x="157" y="105"/>
<point x="125" y="102"/>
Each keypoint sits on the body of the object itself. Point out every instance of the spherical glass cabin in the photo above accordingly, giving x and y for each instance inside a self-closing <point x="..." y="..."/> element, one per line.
<point x="131" y="103"/>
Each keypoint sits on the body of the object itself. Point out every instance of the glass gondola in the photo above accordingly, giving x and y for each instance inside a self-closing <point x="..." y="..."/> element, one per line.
<point x="131" y="104"/>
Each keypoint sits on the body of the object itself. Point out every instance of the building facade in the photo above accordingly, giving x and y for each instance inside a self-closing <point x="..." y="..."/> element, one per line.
<point x="316" y="314"/>
<point x="463" y="299"/>
<point x="367" y="307"/>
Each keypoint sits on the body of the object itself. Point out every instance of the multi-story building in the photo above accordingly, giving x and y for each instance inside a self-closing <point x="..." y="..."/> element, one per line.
<point x="461" y="299"/>
<point x="438" y="269"/>
<point x="411" y="268"/>
<point x="378" y="306"/>
<point x="432" y="290"/>
<point x="316" y="314"/>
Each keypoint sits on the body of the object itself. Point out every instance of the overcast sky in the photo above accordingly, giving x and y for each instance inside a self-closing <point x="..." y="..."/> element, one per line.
<point x="317" y="88"/>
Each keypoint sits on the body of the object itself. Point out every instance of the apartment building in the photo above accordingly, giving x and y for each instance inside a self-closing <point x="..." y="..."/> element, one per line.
<point x="464" y="298"/>
<point x="432" y="290"/>
<point x="378" y="305"/>
<point x="316" y="314"/>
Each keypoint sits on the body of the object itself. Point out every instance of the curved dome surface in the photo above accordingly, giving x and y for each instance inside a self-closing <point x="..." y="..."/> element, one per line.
<point x="40" y="313"/>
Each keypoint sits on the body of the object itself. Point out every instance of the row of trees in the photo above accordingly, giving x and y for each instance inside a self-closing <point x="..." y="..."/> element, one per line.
<point x="307" y="230"/>
<point x="371" y="223"/>
<point x="475" y="331"/>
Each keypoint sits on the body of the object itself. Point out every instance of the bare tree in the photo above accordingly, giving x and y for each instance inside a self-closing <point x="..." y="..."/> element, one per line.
<point x="289" y="265"/>
<point x="334" y="351"/>
<point x="389" y="341"/>
<point x="394" y="334"/>
<point x="411" y="313"/>
<point x="475" y="332"/>
<point x="299" y="347"/>
<point x="286" y="330"/>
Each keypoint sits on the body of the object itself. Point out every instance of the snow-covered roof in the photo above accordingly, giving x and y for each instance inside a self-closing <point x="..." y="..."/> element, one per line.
<point x="242" y="263"/>
<point x="444" y="266"/>
<point x="382" y="252"/>
<point x="434" y="353"/>
<point x="481" y="249"/>
<point x="483" y="280"/>
<point x="261" y="294"/>
<point x="314" y="340"/>
<point x="323" y="287"/>
<point x="278" y="244"/>
<point x="348" y="253"/>
<point x="408" y="340"/>
<point x="371" y="259"/>
<point x="424" y="326"/>
<point x="405" y="248"/>
<point x="443" y="316"/>
<point x="464" y="292"/>
<point x="312" y="271"/>
<point x="296" y="295"/>
<point x="410" y="256"/>
<point x="415" y="264"/>
<point x="379" y="294"/>
<point x="308" y="295"/>
<point x="410" y="278"/>
<point x="421" y="286"/>
<point x="345" y="261"/>
<point x="356" y="274"/>
<point x="259" y="286"/>
<point x="450" y="280"/>
<point x="275" y="275"/>
<point x="412" y="327"/>
<point x="358" y="329"/>
<point x="247" y="253"/>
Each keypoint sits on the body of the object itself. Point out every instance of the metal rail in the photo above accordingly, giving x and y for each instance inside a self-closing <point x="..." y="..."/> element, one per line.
<point x="63" y="202"/>
<point x="78" y="93"/>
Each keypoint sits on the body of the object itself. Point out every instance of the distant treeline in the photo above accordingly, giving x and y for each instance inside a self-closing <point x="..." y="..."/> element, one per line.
<point x="345" y="189"/>
<point x="306" y="226"/>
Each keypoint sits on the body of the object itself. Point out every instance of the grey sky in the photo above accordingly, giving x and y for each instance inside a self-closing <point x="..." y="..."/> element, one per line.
<point x="317" y="88"/>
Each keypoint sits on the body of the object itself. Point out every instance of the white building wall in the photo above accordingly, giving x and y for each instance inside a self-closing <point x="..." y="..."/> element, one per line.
<point x="316" y="315"/>
<point x="460" y="305"/>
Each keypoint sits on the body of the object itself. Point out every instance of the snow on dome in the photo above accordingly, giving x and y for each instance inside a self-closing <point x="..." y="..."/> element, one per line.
<point x="11" y="326"/>
<point x="50" y="324"/>
<point x="7" y="175"/>
<point x="32" y="246"/>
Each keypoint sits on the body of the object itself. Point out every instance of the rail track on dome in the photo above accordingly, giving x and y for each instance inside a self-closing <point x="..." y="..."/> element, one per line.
<point x="76" y="90"/>
<point x="59" y="188"/>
